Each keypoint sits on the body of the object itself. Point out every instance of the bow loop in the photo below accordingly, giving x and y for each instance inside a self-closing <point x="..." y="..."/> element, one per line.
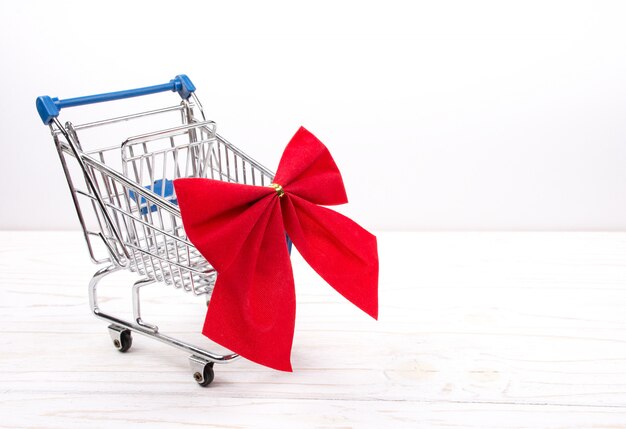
<point x="219" y="216"/>
<point x="307" y="170"/>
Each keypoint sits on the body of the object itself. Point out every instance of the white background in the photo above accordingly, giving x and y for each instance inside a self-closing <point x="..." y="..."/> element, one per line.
<point x="441" y="115"/>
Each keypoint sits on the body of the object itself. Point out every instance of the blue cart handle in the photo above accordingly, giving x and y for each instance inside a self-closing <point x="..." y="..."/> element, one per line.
<point x="49" y="108"/>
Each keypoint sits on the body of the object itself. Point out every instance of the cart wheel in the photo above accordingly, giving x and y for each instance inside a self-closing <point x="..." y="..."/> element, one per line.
<point x="124" y="342"/>
<point x="207" y="375"/>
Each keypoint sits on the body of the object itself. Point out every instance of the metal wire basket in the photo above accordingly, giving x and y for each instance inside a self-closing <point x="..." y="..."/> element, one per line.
<point x="125" y="201"/>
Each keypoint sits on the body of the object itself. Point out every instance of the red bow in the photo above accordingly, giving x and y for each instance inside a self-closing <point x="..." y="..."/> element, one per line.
<point x="240" y="230"/>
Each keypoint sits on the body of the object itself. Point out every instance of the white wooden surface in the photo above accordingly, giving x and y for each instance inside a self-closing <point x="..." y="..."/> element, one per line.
<point x="478" y="330"/>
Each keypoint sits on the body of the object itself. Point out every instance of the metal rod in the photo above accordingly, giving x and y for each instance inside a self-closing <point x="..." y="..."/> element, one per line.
<point x="179" y="344"/>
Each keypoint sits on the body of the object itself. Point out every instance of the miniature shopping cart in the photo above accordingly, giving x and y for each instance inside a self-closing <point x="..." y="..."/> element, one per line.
<point x="120" y="174"/>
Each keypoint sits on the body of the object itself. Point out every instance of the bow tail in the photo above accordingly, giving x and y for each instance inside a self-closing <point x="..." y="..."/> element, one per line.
<point x="252" y="308"/>
<point x="338" y="249"/>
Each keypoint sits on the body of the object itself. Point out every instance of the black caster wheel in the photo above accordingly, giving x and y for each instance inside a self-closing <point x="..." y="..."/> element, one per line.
<point x="206" y="377"/>
<point x="124" y="342"/>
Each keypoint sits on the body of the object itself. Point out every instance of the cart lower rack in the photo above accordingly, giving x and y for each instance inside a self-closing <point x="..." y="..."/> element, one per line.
<point x="120" y="174"/>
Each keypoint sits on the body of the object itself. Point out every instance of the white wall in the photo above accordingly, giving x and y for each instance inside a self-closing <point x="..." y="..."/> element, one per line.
<point x="441" y="115"/>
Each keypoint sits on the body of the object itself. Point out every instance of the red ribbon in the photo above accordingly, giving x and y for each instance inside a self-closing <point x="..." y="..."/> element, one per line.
<point x="240" y="230"/>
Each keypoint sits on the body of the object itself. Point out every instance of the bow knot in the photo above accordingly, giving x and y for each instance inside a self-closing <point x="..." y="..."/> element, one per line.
<point x="240" y="230"/>
<point x="279" y="189"/>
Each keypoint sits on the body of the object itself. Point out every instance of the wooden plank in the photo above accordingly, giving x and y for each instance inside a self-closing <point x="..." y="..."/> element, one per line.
<point x="210" y="410"/>
<point x="475" y="330"/>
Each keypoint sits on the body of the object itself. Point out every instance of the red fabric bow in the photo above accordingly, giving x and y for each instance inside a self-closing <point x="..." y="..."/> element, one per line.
<point x="240" y="230"/>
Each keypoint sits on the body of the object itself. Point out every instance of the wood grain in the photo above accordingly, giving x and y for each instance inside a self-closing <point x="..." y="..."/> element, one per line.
<point x="479" y="330"/>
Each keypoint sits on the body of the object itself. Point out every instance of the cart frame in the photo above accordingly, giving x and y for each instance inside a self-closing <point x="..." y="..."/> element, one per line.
<point x="139" y="225"/>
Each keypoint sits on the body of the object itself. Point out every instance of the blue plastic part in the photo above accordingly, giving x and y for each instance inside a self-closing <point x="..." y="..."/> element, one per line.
<point x="49" y="108"/>
<point x="164" y="188"/>
<point x="183" y="86"/>
<point x="289" y="244"/>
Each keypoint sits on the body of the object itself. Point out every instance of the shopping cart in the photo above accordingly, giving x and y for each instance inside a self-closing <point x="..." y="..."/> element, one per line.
<point x="120" y="177"/>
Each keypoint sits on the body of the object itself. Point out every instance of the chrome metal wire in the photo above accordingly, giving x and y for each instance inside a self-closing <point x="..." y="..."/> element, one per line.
<point x="123" y="192"/>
